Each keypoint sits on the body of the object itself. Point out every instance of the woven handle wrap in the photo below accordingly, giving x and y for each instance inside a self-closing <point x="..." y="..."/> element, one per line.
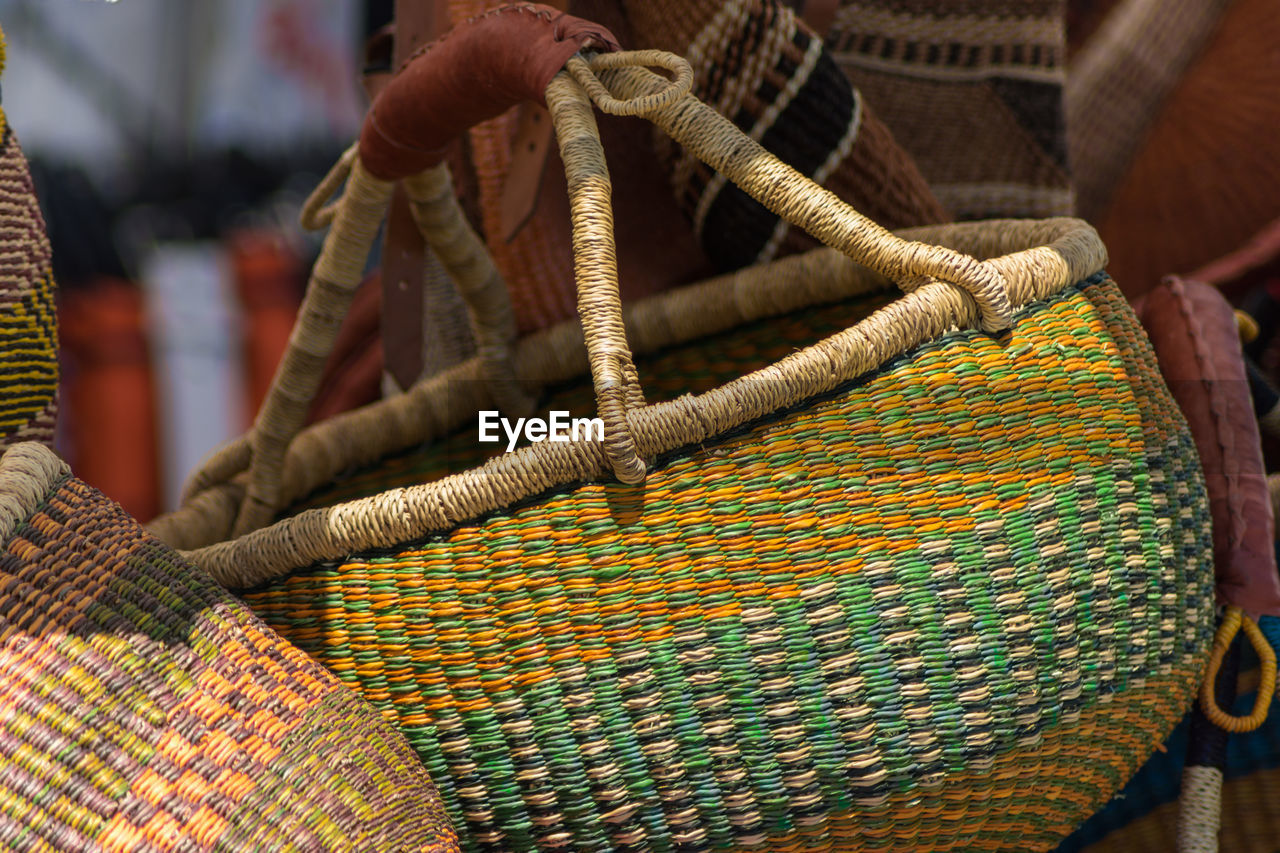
<point x="476" y="72"/>
<point x="719" y="143"/>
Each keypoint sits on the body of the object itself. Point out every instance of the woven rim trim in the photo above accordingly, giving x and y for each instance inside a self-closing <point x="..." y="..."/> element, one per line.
<point x="1074" y="252"/>
<point x="28" y="473"/>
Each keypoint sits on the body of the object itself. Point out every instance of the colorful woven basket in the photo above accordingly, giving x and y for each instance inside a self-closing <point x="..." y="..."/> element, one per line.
<point x="142" y="707"/>
<point x="910" y="585"/>
<point x="28" y="319"/>
<point x="1143" y="817"/>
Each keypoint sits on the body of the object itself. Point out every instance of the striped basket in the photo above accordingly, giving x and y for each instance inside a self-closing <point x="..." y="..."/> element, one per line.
<point x="906" y="583"/>
<point x="1143" y="818"/>
<point x="28" y="320"/>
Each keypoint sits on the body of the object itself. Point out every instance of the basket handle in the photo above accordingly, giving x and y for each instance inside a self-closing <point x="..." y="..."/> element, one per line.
<point x="719" y="143"/>
<point x="620" y="84"/>
<point x="534" y="42"/>
<point x="475" y="72"/>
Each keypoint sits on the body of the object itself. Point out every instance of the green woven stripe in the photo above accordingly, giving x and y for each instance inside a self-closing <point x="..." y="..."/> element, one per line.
<point x="977" y="550"/>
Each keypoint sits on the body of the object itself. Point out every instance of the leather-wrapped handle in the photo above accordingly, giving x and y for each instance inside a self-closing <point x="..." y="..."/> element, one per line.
<point x="476" y="71"/>
<point x="1193" y="331"/>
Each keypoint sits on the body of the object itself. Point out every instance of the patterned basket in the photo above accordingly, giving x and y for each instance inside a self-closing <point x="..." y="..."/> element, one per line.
<point x="142" y="707"/>
<point x="973" y="89"/>
<point x="1226" y="762"/>
<point x="911" y="585"/>
<point x="1143" y="818"/>
<point x="28" y="318"/>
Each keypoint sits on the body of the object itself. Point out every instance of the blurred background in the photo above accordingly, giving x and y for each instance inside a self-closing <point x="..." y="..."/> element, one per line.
<point x="172" y="145"/>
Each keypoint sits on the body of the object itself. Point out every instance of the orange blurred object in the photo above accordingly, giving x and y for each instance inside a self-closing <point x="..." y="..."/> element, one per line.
<point x="109" y="390"/>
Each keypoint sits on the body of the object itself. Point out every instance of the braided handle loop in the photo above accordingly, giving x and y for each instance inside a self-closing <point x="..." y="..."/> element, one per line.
<point x="334" y="279"/>
<point x="463" y="255"/>
<point x="613" y="372"/>
<point x="1232" y="621"/>
<point x="718" y="142"/>
<point x="681" y="83"/>
<point x="618" y="79"/>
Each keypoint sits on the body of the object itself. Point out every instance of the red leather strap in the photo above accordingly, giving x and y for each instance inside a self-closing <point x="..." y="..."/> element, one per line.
<point x="529" y="150"/>
<point x="1193" y="331"/>
<point x="476" y="71"/>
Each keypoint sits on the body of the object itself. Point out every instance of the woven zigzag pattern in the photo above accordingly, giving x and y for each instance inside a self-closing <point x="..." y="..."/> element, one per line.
<point x="142" y="707"/>
<point x="956" y="604"/>
<point x="28" y="321"/>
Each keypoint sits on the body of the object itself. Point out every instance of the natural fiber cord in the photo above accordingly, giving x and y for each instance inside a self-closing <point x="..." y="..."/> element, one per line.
<point x="1200" y="810"/>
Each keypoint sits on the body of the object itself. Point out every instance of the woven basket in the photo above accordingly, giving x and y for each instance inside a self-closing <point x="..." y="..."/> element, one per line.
<point x="1225" y="766"/>
<point x="974" y="92"/>
<point x="142" y="707"/>
<point x="28" y="318"/>
<point x="1143" y="818"/>
<point x="910" y="585"/>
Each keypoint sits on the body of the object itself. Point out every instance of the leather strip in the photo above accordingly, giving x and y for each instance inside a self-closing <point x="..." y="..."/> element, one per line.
<point x="1193" y="330"/>
<point x="404" y="255"/>
<point x="404" y="261"/>
<point x="529" y="152"/>
<point x="478" y="70"/>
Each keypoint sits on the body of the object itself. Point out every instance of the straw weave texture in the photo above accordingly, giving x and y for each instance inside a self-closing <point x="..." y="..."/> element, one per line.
<point x="755" y="64"/>
<point x="28" y="321"/>
<point x="1143" y="818"/>
<point x="973" y="90"/>
<point x="952" y="605"/>
<point x="143" y="707"/>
